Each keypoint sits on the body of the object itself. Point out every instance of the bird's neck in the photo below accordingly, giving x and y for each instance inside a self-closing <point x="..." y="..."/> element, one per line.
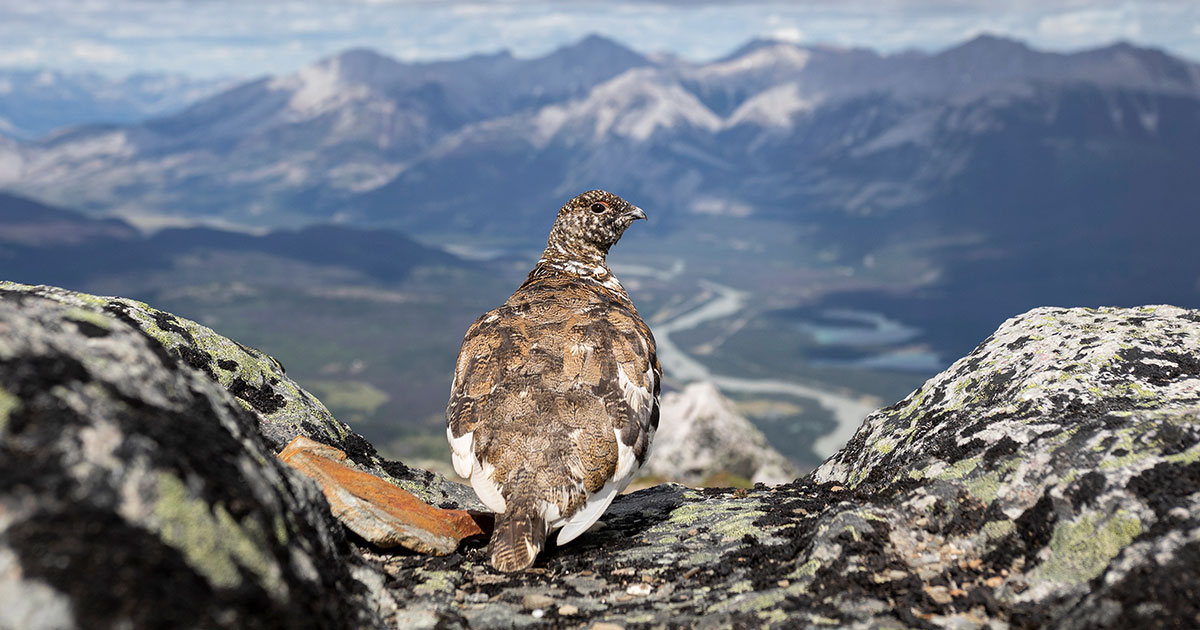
<point x="573" y="256"/>
<point x="579" y="262"/>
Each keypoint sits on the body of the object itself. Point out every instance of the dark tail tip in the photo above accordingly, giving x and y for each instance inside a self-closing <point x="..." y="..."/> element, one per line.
<point x="516" y="541"/>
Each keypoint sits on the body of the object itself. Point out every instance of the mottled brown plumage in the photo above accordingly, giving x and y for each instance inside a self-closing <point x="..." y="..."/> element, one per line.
<point x="555" y="395"/>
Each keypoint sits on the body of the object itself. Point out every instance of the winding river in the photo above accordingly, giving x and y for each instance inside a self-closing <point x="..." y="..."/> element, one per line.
<point x="726" y="302"/>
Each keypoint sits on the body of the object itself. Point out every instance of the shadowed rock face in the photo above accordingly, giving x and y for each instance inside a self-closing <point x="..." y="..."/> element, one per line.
<point x="137" y="493"/>
<point x="1050" y="478"/>
<point x="257" y="381"/>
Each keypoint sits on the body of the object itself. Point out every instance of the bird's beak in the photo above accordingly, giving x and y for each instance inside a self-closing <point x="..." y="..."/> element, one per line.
<point x="636" y="214"/>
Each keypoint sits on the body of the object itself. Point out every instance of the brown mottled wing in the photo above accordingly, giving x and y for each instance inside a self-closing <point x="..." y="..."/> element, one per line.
<point x="556" y="390"/>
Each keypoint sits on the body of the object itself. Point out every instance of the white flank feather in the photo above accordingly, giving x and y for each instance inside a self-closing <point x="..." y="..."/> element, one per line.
<point x="485" y="488"/>
<point x="462" y="452"/>
<point x="591" y="511"/>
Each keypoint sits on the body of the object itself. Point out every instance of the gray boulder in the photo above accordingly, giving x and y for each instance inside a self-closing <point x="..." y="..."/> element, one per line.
<point x="1051" y="478"/>
<point x="137" y="493"/>
<point x="258" y="382"/>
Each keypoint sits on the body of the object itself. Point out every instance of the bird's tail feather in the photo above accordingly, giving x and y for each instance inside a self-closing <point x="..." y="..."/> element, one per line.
<point x="519" y="535"/>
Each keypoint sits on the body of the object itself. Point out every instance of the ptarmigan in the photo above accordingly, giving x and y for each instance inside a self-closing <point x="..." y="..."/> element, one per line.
<point x="555" y="395"/>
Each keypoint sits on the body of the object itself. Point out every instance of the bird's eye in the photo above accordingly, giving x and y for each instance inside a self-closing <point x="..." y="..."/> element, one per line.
<point x="599" y="207"/>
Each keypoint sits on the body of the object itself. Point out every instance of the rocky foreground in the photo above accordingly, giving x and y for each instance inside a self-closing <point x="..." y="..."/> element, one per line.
<point x="1051" y="478"/>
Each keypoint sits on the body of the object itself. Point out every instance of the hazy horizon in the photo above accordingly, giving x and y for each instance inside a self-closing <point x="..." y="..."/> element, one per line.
<point x="235" y="40"/>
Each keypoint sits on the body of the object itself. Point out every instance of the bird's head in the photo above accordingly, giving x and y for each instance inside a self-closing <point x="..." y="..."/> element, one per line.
<point x="590" y="224"/>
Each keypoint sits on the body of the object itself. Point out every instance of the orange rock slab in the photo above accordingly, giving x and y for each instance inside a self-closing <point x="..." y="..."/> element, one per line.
<point x="382" y="513"/>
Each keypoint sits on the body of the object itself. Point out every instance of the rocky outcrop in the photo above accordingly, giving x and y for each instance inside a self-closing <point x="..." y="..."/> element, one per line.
<point x="137" y="493"/>
<point x="1051" y="478"/>
<point x="258" y="382"/>
<point x="701" y="436"/>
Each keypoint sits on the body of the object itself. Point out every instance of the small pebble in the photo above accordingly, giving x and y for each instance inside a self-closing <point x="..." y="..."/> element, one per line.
<point x="994" y="581"/>
<point x="783" y="583"/>
<point x="537" y="600"/>
<point x="604" y="625"/>
<point x="640" y="588"/>
<point x="568" y="610"/>
<point x="537" y="613"/>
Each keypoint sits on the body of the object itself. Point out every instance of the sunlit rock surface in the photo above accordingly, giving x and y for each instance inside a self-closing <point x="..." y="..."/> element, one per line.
<point x="1051" y="478"/>
<point x="701" y="435"/>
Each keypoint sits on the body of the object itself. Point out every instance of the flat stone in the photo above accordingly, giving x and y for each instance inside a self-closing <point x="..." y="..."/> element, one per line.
<point x="382" y="513"/>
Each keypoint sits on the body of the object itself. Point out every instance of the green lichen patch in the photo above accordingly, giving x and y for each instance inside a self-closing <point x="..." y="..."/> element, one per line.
<point x="436" y="582"/>
<point x="1080" y="549"/>
<point x="98" y="320"/>
<point x="211" y="540"/>
<point x="8" y="404"/>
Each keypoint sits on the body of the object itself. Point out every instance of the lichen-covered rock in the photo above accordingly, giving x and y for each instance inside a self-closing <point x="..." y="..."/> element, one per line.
<point x="136" y="493"/>
<point x="1049" y="479"/>
<point x="283" y="409"/>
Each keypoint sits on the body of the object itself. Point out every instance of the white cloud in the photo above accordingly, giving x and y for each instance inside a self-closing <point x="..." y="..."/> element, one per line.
<point x="95" y="52"/>
<point x="1090" y="26"/>
<point x="20" y="57"/>
<point x="788" y="34"/>
<point x="234" y="37"/>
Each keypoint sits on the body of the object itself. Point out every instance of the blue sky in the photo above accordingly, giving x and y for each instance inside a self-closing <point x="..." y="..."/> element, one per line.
<point x="253" y="37"/>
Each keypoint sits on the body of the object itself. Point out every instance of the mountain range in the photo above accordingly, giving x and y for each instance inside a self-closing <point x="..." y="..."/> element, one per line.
<point x="784" y="130"/>
<point x="938" y="193"/>
<point x="35" y="102"/>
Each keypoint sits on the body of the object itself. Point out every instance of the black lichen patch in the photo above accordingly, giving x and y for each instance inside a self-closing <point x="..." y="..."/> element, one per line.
<point x="1004" y="447"/>
<point x="1175" y="439"/>
<point x="1172" y="592"/>
<point x="229" y="365"/>
<point x="856" y="574"/>
<point x="263" y="398"/>
<point x="117" y="574"/>
<point x="167" y="322"/>
<point x="1185" y="366"/>
<point x="1085" y="489"/>
<point x="1019" y="342"/>
<point x="88" y="329"/>
<point x="1033" y="530"/>
<point x="198" y="359"/>
<point x="1036" y="526"/>
<point x="1164" y="486"/>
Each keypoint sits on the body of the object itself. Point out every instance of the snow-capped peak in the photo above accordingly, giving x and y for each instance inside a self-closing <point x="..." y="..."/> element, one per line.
<point x="774" y="107"/>
<point x="320" y="87"/>
<point x="765" y="57"/>
<point x="634" y="105"/>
